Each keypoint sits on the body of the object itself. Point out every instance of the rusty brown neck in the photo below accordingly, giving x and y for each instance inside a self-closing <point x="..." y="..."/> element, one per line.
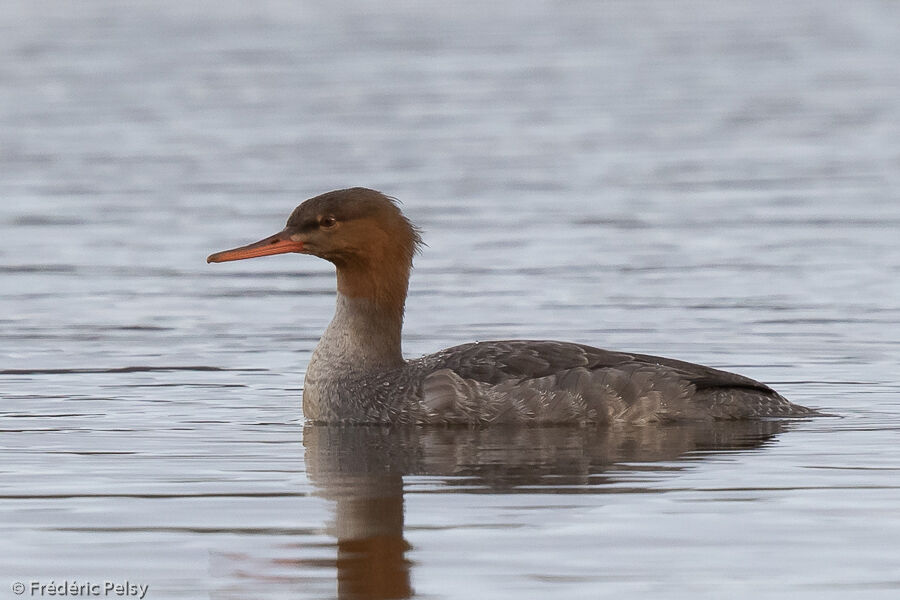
<point x="365" y="333"/>
<point x="383" y="282"/>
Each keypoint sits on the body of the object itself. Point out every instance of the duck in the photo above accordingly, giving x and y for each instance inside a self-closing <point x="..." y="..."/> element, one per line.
<point x="357" y="373"/>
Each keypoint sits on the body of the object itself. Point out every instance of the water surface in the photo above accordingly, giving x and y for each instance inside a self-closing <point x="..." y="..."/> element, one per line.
<point x="716" y="182"/>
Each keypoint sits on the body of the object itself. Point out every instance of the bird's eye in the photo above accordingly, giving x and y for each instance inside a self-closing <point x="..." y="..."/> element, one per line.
<point x="327" y="222"/>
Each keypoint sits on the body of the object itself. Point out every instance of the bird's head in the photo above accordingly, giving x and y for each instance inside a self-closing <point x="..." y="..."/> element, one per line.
<point x="361" y="231"/>
<point x="356" y="227"/>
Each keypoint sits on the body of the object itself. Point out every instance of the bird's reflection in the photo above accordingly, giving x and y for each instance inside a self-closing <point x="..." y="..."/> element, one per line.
<point x="361" y="469"/>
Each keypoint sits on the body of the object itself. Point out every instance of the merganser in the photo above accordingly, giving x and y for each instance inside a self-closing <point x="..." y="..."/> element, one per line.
<point x="357" y="373"/>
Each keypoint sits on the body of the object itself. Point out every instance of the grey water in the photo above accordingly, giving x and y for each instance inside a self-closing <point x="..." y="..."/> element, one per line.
<point x="713" y="181"/>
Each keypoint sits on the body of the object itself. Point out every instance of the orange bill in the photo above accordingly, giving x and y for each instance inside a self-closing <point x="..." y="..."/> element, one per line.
<point x="279" y="243"/>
